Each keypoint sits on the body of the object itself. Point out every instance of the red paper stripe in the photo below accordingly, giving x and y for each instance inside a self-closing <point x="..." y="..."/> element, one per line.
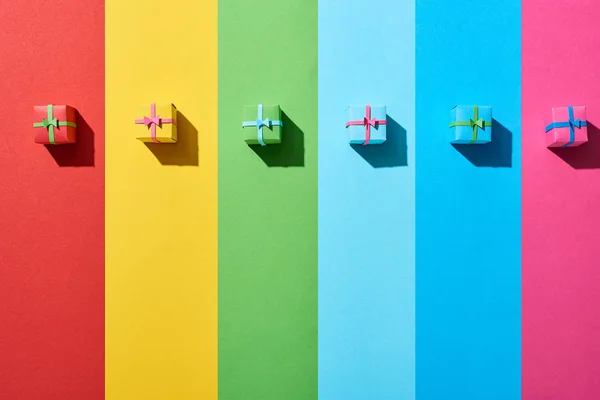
<point x="51" y="203"/>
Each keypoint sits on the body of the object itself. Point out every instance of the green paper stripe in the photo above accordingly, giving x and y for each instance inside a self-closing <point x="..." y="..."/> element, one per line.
<point x="268" y="204"/>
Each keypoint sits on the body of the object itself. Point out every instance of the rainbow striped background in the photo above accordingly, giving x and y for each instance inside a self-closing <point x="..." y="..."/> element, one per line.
<point x="313" y="269"/>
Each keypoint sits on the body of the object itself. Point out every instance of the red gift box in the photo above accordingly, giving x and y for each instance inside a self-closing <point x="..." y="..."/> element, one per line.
<point x="54" y="124"/>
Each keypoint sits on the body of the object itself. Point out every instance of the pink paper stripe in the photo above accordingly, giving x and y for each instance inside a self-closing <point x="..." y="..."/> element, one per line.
<point x="561" y="218"/>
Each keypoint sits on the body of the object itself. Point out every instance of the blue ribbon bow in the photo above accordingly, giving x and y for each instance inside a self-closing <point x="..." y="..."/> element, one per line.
<point x="259" y="123"/>
<point x="572" y="123"/>
<point x="266" y="122"/>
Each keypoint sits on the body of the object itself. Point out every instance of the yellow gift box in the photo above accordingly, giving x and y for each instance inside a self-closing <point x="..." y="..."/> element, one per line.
<point x="157" y="124"/>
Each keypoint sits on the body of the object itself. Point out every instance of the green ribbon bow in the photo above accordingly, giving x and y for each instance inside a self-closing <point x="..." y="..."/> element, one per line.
<point x="50" y="123"/>
<point x="474" y="123"/>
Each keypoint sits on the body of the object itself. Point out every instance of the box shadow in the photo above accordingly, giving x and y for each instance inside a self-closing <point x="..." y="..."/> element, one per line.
<point x="586" y="156"/>
<point x="290" y="152"/>
<point x="78" y="154"/>
<point x="182" y="153"/>
<point x="391" y="153"/>
<point x="496" y="154"/>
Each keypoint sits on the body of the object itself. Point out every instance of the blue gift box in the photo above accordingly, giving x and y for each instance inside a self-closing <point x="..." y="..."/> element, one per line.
<point x="471" y="124"/>
<point x="367" y="124"/>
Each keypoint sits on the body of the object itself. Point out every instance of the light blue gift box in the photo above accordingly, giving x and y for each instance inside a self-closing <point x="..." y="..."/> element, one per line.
<point x="359" y="121"/>
<point x="471" y="124"/>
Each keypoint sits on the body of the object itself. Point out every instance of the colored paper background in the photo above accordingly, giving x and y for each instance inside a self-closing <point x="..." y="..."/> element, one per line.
<point x="311" y="269"/>
<point x="161" y="203"/>
<point x="468" y="212"/>
<point x="268" y="203"/>
<point x="366" y="204"/>
<point x="561" y="274"/>
<point x="52" y="204"/>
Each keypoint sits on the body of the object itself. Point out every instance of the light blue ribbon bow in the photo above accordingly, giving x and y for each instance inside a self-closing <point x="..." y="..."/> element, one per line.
<point x="259" y="123"/>
<point x="572" y="123"/>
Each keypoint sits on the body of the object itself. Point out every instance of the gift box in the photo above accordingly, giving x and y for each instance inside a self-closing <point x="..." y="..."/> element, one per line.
<point x="471" y="124"/>
<point x="160" y="126"/>
<point x="262" y="125"/>
<point x="568" y="127"/>
<point x="55" y="124"/>
<point x="367" y="124"/>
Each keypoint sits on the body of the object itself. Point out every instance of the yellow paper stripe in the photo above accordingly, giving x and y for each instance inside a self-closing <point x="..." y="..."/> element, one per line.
<point x="161" y="202"/>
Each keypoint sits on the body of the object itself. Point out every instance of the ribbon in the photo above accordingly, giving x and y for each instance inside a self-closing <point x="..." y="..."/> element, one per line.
<point x="51" y="123"/>
<point x="572" y="123"/>
<point x="153" y="121"/>
<point x="474" y="123"/>
<point x="260" y="122"/>
<point x="367" y="122"/>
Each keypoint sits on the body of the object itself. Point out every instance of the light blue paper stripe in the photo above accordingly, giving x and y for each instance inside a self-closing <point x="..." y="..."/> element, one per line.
<point x="366" y="204"/>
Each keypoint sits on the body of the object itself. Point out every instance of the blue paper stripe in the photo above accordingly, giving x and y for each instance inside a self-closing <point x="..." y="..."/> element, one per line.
<point x="468" y="214"/>
<point x="366" y="203"/>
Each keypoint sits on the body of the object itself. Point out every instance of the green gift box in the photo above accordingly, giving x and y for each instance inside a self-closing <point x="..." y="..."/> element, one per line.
<point x="262" y="125"/>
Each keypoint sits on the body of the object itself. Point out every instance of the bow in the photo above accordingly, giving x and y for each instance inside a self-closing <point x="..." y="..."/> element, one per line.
<point x="371" y="121"/>
<point x="153" y="120"/>
<point x="575" y="123"/>
<point x="52" y="122"/>
<point x="266" y="122"/>
<point x="475" y="124"/>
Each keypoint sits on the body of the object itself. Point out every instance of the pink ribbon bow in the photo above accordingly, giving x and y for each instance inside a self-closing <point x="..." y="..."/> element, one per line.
<point x="153" y="121"/>
<point x="367" y="122"/>
<point x="148" y="121"/>
<point x="371" y="121"/>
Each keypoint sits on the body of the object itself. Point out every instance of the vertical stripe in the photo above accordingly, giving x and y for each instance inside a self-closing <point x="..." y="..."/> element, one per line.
<point x="52" y="203"/>
<point x="161" y="202"/>
<point x="366" y="203"/>
<point x="561" y="221"/>
<point x="268" y="203"/>
<point x="468" y="203"/>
